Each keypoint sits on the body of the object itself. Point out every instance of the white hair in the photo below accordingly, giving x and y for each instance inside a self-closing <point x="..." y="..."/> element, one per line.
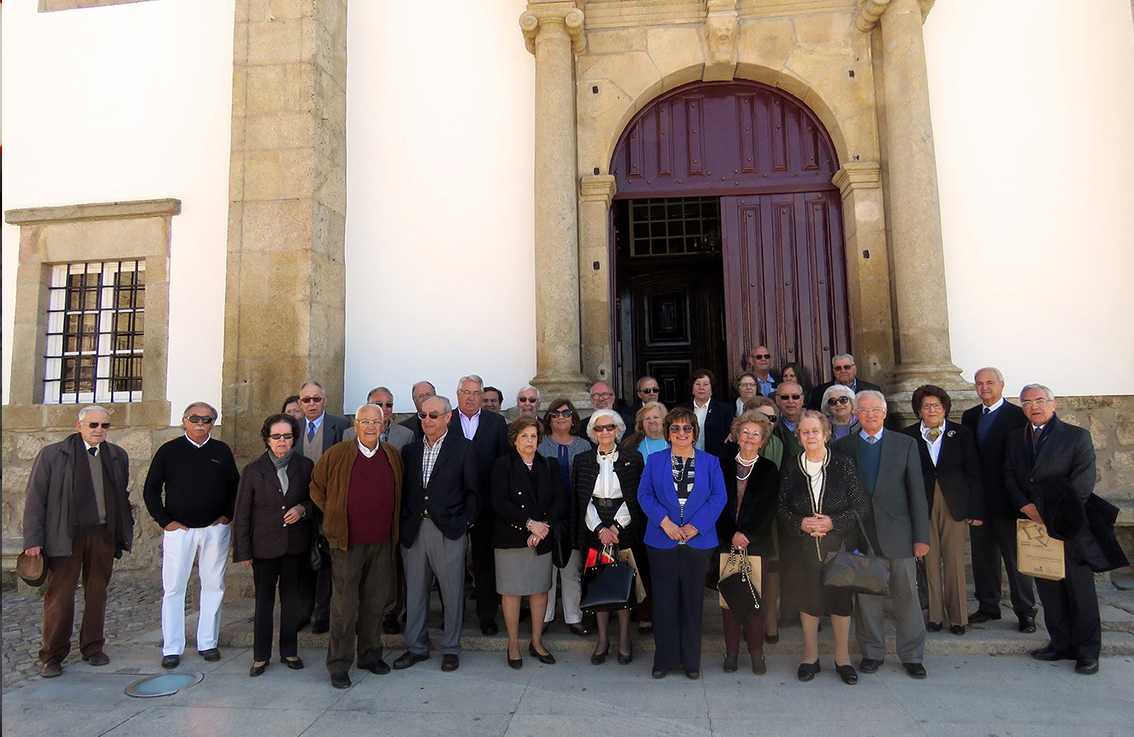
<point x="842" y="355"/>
<point x="444" y="401"/>
<point x="471" y="377"/>
<point x="993" y="369"/>
<point x="870" y="393"/>
<point x="1050" y="395"/>
<point x="381" y="410"/>
<point x="94" y="408"/>
<point x="839" y="390"/>
<point x="528" y="388"/>
<point x="600" y="413"/>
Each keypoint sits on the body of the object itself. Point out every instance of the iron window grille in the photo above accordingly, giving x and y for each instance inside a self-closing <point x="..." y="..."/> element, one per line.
<point x="675" y="226"/>
<point x="95" y="333"/>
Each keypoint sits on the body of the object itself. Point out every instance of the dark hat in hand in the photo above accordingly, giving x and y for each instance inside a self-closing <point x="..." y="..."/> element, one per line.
<point x="32" y="569"/>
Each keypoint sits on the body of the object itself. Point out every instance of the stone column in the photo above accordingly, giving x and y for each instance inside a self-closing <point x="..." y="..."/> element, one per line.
<point x="914" y="211"/>
<point x="595" y="194"/>
<point x="286" y="281"/>
<point x="553" y="31"/>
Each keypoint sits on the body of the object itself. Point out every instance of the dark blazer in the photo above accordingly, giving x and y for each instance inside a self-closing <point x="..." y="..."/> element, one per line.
<point x="792" y="446"/>
<point x="413" y="422"/>
<point x="516" y="499"/>
<point x="258" y="529"/>
<point x="997" y="503"/>
<point x="899" y="514"/>
<point x="658" y="500"/>
<point x="1065" y="453"/>
<point x="957" y="471"/>
<point x="584" y="473"/>
<point x="333" y="429"/>
<point x="842" y="497"/>
<point x="454" y="494"/>
<point x="815" y="396"/>
<point x="489" y="443"/>
<point x="718" y="422"/>
<point x="758" y="508"/>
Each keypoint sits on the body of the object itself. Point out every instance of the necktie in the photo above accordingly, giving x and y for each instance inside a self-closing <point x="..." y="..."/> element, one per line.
<point x="934" y="433"/>
<point x="93" y="451"/>
<point x="871" y="439"/>
<point x="310" y="431"/>
<point x="987" y="411"/>
<point x="1036" y="432"/>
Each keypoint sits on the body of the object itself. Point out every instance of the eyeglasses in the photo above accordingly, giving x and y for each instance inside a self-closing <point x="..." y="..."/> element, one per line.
<point x="650" y="390"/>
<point x="368" y="423"/>
<point x="199" y="419"/>
<point x="870" y="410"/>
<point x="559" y="413"/>
<point x="931" y="406"/>
<point x="309" y="400"/>
<point x="97" y="425"/>
<point x="1032" y="402"/>
<point x="761" y="356"/>
<point x="527" y="400"/>
<point x="281" y="436"/>
<point x="430" y="415"/>
<point x="681" y="428"/>
<point x="839" y="400"/>
<point x="387" y="405"/>
<point x="467" y="392"/>
<point x="605" y="428"/>
<point x="848" y="367"/>
<point x="603" y="395"/>
<point x="747" y="385"/>
<point x="790" y="396"/>
<point x="771" y="418"/>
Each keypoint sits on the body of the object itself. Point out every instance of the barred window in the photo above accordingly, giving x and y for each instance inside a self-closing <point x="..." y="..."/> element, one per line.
<point x="95" y="321"/>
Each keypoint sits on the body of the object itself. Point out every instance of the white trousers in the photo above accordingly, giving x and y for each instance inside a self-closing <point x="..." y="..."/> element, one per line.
<point x="570" y="578"/>
<point x="179" y="548"/>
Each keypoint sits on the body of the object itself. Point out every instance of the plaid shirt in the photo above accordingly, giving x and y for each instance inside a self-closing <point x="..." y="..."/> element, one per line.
<point x="429" y="457"/>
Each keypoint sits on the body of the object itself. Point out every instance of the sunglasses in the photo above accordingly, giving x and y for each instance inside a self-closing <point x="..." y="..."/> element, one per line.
<point x="309" y="400"/>
<point x="387" y="405"/>
<point x="771" y="418"/>
<point x="790" y="396"/>
<point x="526" y="400"/>
<point x="761" y="356"/>
<point x="681" y="428"/>
<point x="559" y="413"/>
<point x="650" y="390"/>
<point x="605" y="428"/>
<point x="96" y="425"/>
<point x="202" y="419"/>
<point x="837" y="400"/>
<point x="281" y="436"/>
<point x="430" y="415"/>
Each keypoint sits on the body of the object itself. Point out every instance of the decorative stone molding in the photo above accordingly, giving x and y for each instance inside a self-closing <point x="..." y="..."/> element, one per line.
<point x="597" y="188"/>
<point x="532" y="21"/>
<point x="858" y="175"/>
<point x="94" y="211"/>
<point x="722" y="23"/>
<point x="871" y="11"/>
<point x="50" y="6"/>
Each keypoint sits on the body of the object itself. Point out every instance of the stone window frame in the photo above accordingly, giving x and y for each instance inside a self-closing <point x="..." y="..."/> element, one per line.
<point x="51" y="6"/>
<point x="99" y="232"/>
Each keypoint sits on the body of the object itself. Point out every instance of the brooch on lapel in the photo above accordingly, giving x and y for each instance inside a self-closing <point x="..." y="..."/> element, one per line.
<point x="950" y="433"/>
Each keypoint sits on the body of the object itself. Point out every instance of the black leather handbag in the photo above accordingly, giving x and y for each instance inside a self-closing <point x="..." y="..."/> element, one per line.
<point x="856" y="572"/>
<point x="608" y="587"/>
<point x="738" y="589"/>
<point x="560" y="545"/>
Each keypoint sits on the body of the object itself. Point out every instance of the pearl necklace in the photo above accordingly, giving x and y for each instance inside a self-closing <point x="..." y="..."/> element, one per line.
<point x="747" y="464"/>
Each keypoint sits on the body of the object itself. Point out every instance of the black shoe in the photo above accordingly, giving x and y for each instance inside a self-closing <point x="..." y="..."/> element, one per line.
<point x="1087" y="666"/>
<point x="980" y="616"/>
<point x="340" y="679"/>
<point x="408" y="658"/>
<point x="1027" y="624"/>
<point x="515" y="664"/>
<point x="450" y="662"/>
<point x="257" y="670"/>
<point x="772" y="639"/>
<point x="915" y="670"/>
<point x="390" y="625"/>
<point x="626" y="658"/>
<point x="869" y="665"/>
<point x="211" y="655"/>
<point x="319" y="627"/>
<point x="730" y="662"/>
<point x="759" y="666"/>
<point x="488" y="627"/>
<point x="579" y="629"/>
<point x="646" y="629"/>
<point x="847" y="673"/>
<point x="170" y="661"/>
<point x="807" y="671"/>
<point x="293" y="664"/>
<point x="659" y="672"/>
<point x="692" y="674"/>
<point x="932" y="626"/>
<point x="598" y="658"/>
<point x="1050" y="654"/>
<point x="378" y="667"/>
<point x="957" y="629"/>
<point x="545" y="658"/>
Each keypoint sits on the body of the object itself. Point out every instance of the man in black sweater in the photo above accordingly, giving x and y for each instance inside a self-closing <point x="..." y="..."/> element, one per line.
<point x="199" y="477"/>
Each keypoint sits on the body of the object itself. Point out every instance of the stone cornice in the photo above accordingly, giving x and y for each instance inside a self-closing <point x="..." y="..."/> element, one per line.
<point x="858" y="175"/>
<point x="870" y="11"/>
<point x="597" y="188"/>
<point x="95" y="211"/>
<point x="570" y="17"/>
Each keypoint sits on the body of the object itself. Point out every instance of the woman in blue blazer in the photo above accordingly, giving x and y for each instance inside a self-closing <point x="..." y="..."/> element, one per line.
<point x="682" y="493"/>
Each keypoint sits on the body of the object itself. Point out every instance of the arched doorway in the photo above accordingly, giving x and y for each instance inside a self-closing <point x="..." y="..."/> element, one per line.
<point x="727" y="233"/>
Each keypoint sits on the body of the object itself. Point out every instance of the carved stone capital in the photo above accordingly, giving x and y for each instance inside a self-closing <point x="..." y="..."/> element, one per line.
<point x="857" y="175"/>
<point x="870" y="12"/>
<point x="532" y="22"/>
<point x="597" y="188"/>
<point x="722" y="24"/>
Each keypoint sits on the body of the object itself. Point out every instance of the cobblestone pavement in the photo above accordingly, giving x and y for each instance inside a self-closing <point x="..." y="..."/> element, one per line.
<point x="133" y="607"/>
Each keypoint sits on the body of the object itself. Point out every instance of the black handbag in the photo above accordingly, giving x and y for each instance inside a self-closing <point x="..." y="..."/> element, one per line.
<point x="320" y="553"/>
<point x="738" y="589"/>
<point x="560" y="545"/>
<point x="608" y="587"/>
<point x="858" y="573"/>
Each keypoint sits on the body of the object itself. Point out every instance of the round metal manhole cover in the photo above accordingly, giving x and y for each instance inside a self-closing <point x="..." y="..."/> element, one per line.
<point x="163" y="684"/>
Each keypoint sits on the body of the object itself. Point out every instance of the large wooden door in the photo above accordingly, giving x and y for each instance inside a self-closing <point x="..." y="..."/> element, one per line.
<point x="674" y="323"/>
<point x="785" y="277"/>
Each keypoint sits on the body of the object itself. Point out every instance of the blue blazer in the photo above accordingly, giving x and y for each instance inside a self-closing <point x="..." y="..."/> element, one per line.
<point x="658" y="499"/>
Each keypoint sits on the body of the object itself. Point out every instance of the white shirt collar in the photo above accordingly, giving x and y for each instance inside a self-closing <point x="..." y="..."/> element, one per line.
<point x="366" y="451"/>
<point x="98" y="448"/>
<point x="199" y="445"/>
<point x="864" y="434"/>
<point x="995" y="405"/>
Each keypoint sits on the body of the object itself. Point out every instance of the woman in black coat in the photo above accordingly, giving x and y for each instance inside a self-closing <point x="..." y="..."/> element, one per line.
<point x="752" y="483"/>
<point x="606" y="512"/>
<point x="528" y="500"/>
<point x="271" y="531"/>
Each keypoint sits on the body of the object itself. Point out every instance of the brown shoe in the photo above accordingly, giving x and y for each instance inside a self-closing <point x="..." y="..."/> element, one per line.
<point x="450" y="663"/>
<point x="99" y="658"/>
<point x="51" y="669"/>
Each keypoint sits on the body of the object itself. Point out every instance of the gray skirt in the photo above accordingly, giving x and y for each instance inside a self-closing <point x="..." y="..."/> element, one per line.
<point x="520" y="572"/>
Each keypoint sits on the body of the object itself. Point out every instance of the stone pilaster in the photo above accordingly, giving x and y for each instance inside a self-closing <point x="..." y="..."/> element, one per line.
<point x="553" y="31"/>
<point x="286" y="283"/>
<point x="595" y="195"/>
<point x="914" y="212"/>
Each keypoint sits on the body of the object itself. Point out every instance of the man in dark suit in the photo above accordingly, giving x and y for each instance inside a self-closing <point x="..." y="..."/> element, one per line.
<point x="488" y="432"/>
<point x="898" y="527"/>
<point x="846" y="373"/>
<point x="1050" y="470"/>
<point x="440" y="501"/>
<point x="991" y="422"/>
<point x="714" y="416"/>
<point x="951" y="473"/>
<point x="318" y="431"/>
<point x="422" y="390"/>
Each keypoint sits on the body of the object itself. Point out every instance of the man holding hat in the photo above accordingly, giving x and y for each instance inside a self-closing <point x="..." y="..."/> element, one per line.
<point x="77" y="517"/>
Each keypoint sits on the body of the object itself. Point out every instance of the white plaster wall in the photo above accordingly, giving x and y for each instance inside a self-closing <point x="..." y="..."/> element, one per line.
<point x="128" y="102"/>
<point x="1033" y="110"/>
<point x="440" y="204"/>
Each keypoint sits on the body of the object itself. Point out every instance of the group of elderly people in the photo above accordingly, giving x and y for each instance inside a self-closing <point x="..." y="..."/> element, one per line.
<point x="646" y="495"/>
